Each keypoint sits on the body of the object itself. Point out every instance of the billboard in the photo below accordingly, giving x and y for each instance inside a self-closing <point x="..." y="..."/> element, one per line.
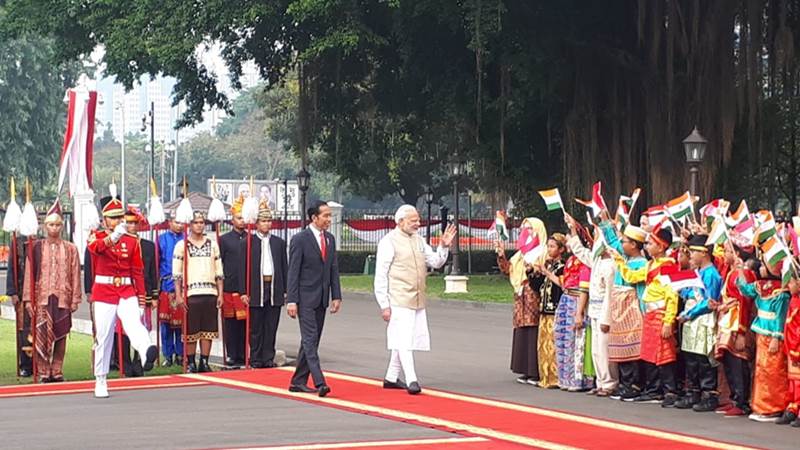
<point x="272" y="190"/>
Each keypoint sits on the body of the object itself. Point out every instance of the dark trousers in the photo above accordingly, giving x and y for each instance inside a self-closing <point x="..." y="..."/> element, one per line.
<point x="25" y="361"/>
<point x="263" y="330"/>
<point x="311" y="322"/>
<point x="234" y="333"/>
<point x="737" y="374"/>
<point x="628" y="374"/>
<point x="700" y="375"/>
<point x="660" y="379"/>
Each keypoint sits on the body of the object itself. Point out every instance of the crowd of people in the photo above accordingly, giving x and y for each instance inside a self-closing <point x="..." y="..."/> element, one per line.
<point x="188" y="278"/>
<point x="662" y="312"/>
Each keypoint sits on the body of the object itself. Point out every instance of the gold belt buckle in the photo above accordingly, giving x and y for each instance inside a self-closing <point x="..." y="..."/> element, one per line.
<point x="117" y="281"/>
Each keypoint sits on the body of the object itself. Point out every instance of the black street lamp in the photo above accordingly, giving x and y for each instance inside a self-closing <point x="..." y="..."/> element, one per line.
<point x="457" y="168"/>
<point x="428" y="201"/>
<point x="302" y="182"/>
<point x="695" y="148"/>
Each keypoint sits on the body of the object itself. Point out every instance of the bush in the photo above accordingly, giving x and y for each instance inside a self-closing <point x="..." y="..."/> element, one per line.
<point x="483" y="261"/>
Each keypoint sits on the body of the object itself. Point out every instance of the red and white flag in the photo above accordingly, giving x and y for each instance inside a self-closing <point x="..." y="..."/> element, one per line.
<point x="683" y="279"/>
<point x="76" y="155"/>
<point x="528" y="243"/>
<point x="596" y="203"/>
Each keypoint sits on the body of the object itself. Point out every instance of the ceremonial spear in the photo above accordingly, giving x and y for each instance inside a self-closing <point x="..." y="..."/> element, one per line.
<point x="250" y="216"/>
<point x="216" y="214"/>
<point x="11" y="225"/>
<point x="184" y="215"/>
<point x="28" y="227"/>
<point x="155" y="216"/>
<point x="112" y="191"/>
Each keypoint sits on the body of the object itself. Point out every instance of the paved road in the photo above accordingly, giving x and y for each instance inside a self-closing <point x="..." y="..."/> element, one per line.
<point x="470" y="354"/>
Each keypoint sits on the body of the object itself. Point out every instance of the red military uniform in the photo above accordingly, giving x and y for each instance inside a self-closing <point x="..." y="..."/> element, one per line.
<point x="118" y="268"/>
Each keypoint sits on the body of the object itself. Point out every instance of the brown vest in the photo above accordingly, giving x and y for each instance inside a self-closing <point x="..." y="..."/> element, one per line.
<point x="408" y="271"/>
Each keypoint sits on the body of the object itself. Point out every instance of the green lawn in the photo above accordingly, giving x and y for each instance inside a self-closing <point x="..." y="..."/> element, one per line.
<point x="77" y="363"/>
<point x="482" y="288"/>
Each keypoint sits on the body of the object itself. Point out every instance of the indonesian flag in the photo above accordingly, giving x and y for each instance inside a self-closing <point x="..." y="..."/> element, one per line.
<point x="680" y="207"/>
<point x="529" y="245"/>
<point x="597" y="203"/>
<point x="552" y="199"/>
<point x="656" y="214"/>
<point x="747" y="229"/>
<point x="718" y="207"/>
<point x="719" y="232"/>
<point x="683" y="279"/>
<point x="499" y="227"/>
<point x="76" y="155"/>
<point x="625" y="206"/>
<point x="774" y="251"/>
<point x="738" y="216"/>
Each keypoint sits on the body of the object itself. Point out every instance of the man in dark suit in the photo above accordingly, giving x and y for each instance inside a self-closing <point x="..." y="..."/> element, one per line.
<point x="268" y="273"/>
<point x="313" y="284"/>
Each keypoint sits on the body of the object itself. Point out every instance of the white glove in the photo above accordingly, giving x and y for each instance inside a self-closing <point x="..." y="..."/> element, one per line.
<point x="119" y="231"/>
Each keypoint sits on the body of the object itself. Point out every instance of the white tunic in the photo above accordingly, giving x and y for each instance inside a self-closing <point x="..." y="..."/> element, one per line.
<point x="407" y="328"/>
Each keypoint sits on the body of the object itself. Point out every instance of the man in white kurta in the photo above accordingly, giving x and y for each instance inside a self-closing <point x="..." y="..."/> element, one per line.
<point x="400" y="272"/>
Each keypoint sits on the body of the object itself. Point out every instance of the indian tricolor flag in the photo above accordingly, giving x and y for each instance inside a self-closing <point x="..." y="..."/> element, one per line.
<point x="683" y="279"/>
<point x="787" y="271"/>
<point x="765" y="226"/>
<point x="719" y="232"/>
<point x="499" y="227"/>
<point x="740" y="215"/>
<point x="680" y="207"/>
<point x="528" y="243"/>
<point x="552" y="199"/>
<point x="774" y="251"/>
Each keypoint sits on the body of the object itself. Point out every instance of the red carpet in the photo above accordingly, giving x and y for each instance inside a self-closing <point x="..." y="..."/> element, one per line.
<point x="77" y="387"/>
<point x="497" y="422"/>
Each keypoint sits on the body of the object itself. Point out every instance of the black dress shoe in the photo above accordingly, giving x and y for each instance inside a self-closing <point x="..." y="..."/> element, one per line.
<point x="178" y="360"/>
<point x="302" y="388"/>
<point x="256" y="364"/>
<point x="270" y="365"/>
<point x="25" y="373"/>
<point x="324" y="390"/>
<point x="152" y="353"/>
<point x="191" y="364"/>
<point x="136" y="368"/>
<point x="230" y="361"/>
<point x="167" y="362"/>
<point x="204" y="367"/>
<point x="394" y="385"/>
<point x="414" y="388"/>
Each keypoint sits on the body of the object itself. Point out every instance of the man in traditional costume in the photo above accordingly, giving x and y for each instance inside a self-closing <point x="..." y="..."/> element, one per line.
<point x="624" y="313"/>
<point x="117" y="291"/>
<point x="698" y="330"/>
<point x="15" y="277"/>
<point x="770" y="378"/>
<point x="269" y="268"/>
<point x="234" y="310"/>
<point x="659" y="348"/>
<point x="197" y="271"/>
<point x="735" y="345"/>
<point x="170" y="316"/>
<point x="51" y="293"/>
<point x="601" y="282"/>
<point x="401" y="269"/>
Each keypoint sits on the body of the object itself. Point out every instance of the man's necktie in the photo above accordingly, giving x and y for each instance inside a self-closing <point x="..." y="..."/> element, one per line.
<point x="322" y="246"/>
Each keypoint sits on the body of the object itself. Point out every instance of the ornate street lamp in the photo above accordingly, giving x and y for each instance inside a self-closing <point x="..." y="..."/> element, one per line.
<point x="303" y="178"/>
<point x="695" y="148"/>
<point x="457" y="168"/>
<point x="428" y="201"/>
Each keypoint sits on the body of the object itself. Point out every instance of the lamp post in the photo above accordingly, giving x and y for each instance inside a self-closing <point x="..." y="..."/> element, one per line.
<point x="428" y="201"/>
<point x="121" y="107"/>
<point x="457" y="168"/>
<point x="695" y="148"/>
<point x="149" y="119"/>
<point x="302" y="182"/>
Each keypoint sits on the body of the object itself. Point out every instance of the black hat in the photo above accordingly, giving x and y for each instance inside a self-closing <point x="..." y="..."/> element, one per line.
<point x="697" y="242"/>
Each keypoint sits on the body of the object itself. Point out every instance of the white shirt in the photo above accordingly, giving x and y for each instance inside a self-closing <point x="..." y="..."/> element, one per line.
<point x="601" y="280"/>
<point x="267" y="267"/>
<point x="317" y="235"/>
<point x="383" y="262"/>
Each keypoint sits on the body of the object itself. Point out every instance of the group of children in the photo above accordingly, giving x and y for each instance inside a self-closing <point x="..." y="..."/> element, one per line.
<point x="660" y="314"/>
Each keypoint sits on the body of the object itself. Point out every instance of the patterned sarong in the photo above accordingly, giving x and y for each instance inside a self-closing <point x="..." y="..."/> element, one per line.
<point x="233" y="307"/>
<point x="770" y="381"/>
<point x="625" y="334"/>
<point x="569" y="344"/>
<point x="548" y="375"/>
<point x="655" y="349"/>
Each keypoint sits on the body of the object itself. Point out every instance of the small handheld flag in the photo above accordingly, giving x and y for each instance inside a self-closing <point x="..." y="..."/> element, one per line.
<point x="552" y="199"/>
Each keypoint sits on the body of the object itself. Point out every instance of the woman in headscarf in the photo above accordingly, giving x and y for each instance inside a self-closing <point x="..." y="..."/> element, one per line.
<point x="547" y="281"/>
<point x="524" y="354"/>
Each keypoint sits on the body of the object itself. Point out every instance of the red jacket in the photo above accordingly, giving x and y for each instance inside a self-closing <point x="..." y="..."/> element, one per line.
<point x="123" y="259"/>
